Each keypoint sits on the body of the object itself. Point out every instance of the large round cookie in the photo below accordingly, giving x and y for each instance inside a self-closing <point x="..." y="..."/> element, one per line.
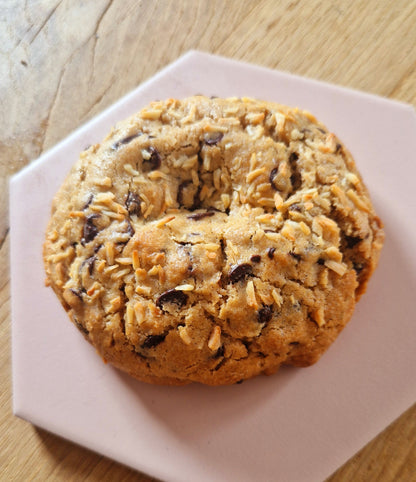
<point x="211" y="240"/>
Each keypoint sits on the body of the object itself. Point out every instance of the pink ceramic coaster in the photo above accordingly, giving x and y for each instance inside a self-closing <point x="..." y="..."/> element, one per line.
<point x="300" y="424"/>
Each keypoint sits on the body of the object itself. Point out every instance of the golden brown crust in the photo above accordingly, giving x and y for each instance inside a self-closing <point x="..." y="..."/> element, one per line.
<point x="211" y="240"/>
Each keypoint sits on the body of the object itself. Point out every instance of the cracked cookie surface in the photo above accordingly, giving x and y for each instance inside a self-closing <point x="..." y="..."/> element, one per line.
<point x="211" y="240"/>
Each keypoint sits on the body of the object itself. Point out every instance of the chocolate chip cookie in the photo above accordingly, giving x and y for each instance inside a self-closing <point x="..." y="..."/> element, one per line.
<point x="211" y="240"/>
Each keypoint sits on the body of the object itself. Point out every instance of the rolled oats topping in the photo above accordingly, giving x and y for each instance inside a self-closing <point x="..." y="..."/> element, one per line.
<point x="211" y="240"/>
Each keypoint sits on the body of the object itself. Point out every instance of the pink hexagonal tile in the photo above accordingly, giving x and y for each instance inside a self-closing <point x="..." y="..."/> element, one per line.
<point x="300" y="424"/>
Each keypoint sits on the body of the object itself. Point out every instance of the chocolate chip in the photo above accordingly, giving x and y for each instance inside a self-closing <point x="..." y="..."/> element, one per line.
<point x="321" y="261"/>
<point x="197" y="201"/>
<point x="222" y="244"/>
<point x="294" y="343"/>
<point x="213" y="138"/>
<point x="133" y="203"/>
<point x="256" y="258"/>
<point x="172" y="296"/>
<point x="239" y="382"/>
<point x="126" y="140"/>
<point x="130" y="229"/>
<point x="88" y="202"/>
<point x="296" y="181"/>
<point x="80" y="327"/>
<point x="220" y="352"/>
<point x="295" y="178"/>
<point x="338" y="148"/>
<point x="154" y="160"/>
<point x="352" y="241"/>
<point x="77" y="293"/>
<point x="270" y="252"/>
<point x="198" y="216"/>
<point x="240" y="272"/>
<point x="214" y="209"/>
<point x="264" y="315"/>
<point x="153" y="340"/>
<point x="89" y="263"/>
<point x="295" y="207"/>
<point x="295" y="255"/>
<point x="219" y="365"/>
<point x="90" y="231"/>
<point x="272" y="175"/>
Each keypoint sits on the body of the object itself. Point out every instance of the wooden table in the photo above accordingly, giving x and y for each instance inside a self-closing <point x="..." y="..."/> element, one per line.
<point x="62" y="62"/>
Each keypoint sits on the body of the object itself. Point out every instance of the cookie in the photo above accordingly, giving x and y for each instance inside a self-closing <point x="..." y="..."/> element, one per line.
<point x="212" y="240"/>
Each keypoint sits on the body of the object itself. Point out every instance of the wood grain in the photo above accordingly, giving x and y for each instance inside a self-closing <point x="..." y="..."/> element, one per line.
<point x="62" y="62"/>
